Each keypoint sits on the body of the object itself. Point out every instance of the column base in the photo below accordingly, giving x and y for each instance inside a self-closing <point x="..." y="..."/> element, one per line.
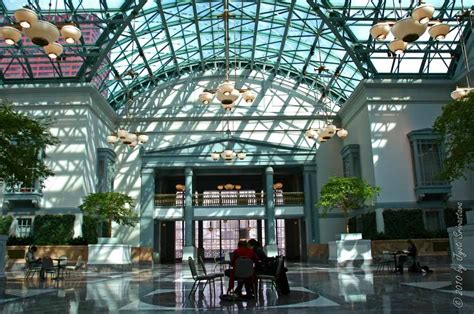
<point x="271" y="250"/>
<point x="189" y="251"/>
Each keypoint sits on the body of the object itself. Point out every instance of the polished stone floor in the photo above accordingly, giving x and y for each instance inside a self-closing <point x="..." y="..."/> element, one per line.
<point x="314" y="289"/>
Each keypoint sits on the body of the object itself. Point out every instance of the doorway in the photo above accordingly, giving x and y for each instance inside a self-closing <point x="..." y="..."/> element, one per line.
<point x="167" y="242"/>
<point x="293" y="233"/>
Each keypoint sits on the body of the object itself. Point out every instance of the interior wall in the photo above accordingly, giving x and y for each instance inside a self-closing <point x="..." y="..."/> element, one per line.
<point x="392" y="110"/>
<point x="81" y="120"/>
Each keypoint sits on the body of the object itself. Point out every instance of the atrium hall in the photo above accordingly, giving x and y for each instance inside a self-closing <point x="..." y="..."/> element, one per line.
<point x="229" y="120"/>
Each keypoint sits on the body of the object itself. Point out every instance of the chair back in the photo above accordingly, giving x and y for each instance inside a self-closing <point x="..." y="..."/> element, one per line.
<point x="63" y="260"/>
<point x="201" y="262"/>
<point x="79" y="262"/>
<point x="386" y="256"/>
<point x="47" y="263"/>
<point x="281" y="262"/>
<point x="243" y="268"/>
<point x="192" y="267"/>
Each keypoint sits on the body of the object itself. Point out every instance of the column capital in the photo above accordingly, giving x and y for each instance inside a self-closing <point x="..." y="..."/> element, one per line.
<point x="188" y="171"/>
<point x="310" y="168"/>
<point x="147" y="171"/>
<point x="269" y="170"/>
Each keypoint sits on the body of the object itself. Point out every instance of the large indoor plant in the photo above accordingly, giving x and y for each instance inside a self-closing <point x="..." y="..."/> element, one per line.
<point x="23" y="141"/>
<point x="456" y="125"/>
<point x="108" y="207"/>
<point x="345" y="193"/>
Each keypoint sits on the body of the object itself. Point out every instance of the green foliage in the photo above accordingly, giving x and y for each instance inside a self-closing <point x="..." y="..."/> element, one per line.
<point x="14" y="240"/>
<point x="346" y="193"/>
<point x="456" y="125"/>
<point x="352" y="224"/>
<point x="5" y="223"/>
<point x="22" y="139"/>
<point x="404" y="224"/>
<point x="78" y="241"/>
<point x="53" y="229"/>
<point x="451" y="218"/>
<point x="110" y="206"/>
<point x="89" y="229"/>
<point x="369" y="225"/>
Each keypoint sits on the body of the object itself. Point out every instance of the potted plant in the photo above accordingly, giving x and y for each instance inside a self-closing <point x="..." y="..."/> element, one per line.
<point x="5" y="224"/>
<point x="347" y="194"/>
<point x="108" y="207"/>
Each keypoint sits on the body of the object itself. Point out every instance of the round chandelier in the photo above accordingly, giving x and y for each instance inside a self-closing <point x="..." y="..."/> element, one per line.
<point x="227" y="95"/>
<point x="41" y="33"/>
<point x="226" y="92"/>
<point x="228" y="155"/>
<point x="125" y="137"/>
<point x="323" y="134"/>
<point x="410" y="28"/>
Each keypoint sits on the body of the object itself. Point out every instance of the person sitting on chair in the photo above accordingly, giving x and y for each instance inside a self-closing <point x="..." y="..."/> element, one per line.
<point x="243" y="250"/>
<point x="411" y="254"/>
<point x="34" y="261"/>
<point x="31" y="258"/>
<point x="262" y="257"/>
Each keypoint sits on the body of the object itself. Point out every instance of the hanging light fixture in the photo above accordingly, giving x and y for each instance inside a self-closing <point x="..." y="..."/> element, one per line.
<point x="324" y="134"/>
<point x="228" y="154"/>
<point x="10" y="35"/>
<point x="132" y="139"/>
<point x="461" y="92"/>
<point x="53" y="50"/>
<point x="26" y="17"/>
<point x="71" y="33"/>
<point x="41" y="33"/>
<point x="410" y="28"/>
<point x="226" y="92"/>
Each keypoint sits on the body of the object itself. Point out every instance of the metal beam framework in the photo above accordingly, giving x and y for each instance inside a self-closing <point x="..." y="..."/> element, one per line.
<point x="175" y="38"/>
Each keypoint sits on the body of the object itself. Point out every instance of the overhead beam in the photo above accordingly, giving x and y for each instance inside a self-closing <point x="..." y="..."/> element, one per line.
<point x="339" y="37"/>
<point x="141" y="53"/>
<point x="255" y="34"/>
<point x="312" y="49"/>
<point x="285" y="35"/>
<point x="198" y="33"/>
<point x="168" y="35"/>
<point x="104" y="51"/>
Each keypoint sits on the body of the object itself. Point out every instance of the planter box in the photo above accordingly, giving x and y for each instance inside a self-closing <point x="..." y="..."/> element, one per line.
<point x="110" y="254"/>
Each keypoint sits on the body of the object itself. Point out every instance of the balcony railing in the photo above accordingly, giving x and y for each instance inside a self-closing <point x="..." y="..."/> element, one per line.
<point x="229" y="198"/>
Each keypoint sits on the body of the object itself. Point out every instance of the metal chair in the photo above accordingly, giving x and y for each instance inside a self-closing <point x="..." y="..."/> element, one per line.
<point x="73" y="268"/>
<point x="215" y="275"/>
<point x="272" y="278"/>
<point x="244" y="271"/>
<point x="48" y="266"/>
<point x="199" y="278"/>
<point x="31" y="269"/>
<point x="386" y="261"/>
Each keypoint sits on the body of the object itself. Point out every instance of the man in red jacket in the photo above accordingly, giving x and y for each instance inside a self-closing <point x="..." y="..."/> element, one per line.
<point x="243" y="250"/>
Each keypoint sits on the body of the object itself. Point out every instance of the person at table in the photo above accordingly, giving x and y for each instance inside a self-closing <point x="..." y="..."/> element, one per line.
<point x="411" y="253"/>
<point x="262" y="257"/>
<point x="34" y="261"/>
<point x="243" y="250"/>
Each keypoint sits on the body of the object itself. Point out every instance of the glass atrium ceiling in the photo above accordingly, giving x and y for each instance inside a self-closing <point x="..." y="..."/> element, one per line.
<point x="130" y="45"/>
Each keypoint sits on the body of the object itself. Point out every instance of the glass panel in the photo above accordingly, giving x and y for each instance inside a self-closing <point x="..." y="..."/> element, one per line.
<point x="179" y="236"/>
<point x="24" y="227"/>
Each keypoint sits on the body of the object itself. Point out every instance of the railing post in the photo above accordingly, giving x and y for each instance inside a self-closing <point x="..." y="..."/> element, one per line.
<point x="270" y="232"/>
<point x="188" y="249"/>
<point x="311" y="214"/>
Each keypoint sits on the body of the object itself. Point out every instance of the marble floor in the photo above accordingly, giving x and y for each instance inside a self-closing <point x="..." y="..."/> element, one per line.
<point x="314" y="289"/>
